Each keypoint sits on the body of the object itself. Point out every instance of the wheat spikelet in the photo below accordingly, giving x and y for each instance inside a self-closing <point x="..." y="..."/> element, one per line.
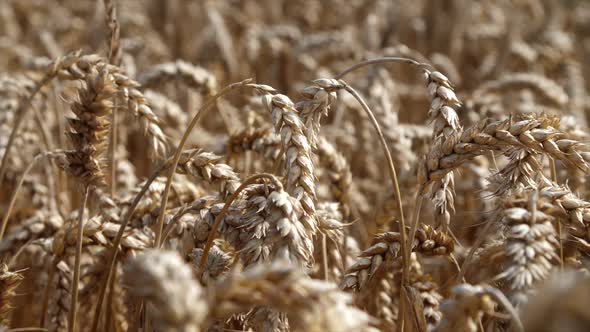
<point x="40" y="225"/>
<point x="339" y="173"/>
<point x="217" y="264"/>
<point x="442" y="113"/>
<point x="138" y="105"/>
<point x="260" y="140"/>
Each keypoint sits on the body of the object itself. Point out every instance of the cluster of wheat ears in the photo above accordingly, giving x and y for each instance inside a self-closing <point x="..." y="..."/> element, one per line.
<point x="277" y="165"/>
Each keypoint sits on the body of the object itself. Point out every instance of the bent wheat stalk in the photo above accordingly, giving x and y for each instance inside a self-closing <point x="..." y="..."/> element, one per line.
<point x="78" y="257"/>
<point x="189" y="129"/>
<point x="391" y="169"/>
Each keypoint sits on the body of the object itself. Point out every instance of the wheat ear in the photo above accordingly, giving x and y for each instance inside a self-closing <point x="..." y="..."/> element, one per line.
<point x="221" y="215"/>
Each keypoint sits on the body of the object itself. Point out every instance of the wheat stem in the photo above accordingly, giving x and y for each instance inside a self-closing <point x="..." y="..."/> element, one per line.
<point x="78" y="258"/>
<point x="191" y="126"/>
<point x="392" y="174"/>
<point x="378" y="61"/>
<point x="114" y="57"/>
<point x="116" y="243"/>
<point x="325" y="257"/>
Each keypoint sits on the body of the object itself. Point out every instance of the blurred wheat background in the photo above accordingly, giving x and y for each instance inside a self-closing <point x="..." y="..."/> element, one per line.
<point x="309" y="165"/>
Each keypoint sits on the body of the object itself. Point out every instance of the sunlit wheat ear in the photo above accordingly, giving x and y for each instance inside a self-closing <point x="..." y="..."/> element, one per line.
<point x="318" y="98"/>
<point x="311" y="305"/>
<point x="521" y="138"/>
<point x="138" y="105"/>
<point x="339" y="173"/>
<point x="89" y="128"/>
<point x="175" y="299"/>
<point x="61" y="299"/>
<point x="217" y="265"/>
<point x="530" y="249"/>
<point x="299" y="167"/>
<point x="209" y="167"/>
<point x="287" y="237"/>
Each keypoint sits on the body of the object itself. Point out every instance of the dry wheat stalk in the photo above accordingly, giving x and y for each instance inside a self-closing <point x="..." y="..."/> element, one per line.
<point x="115" y="51"/>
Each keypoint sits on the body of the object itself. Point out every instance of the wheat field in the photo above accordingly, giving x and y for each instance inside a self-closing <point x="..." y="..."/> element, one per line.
<point x="306" y="165"/>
